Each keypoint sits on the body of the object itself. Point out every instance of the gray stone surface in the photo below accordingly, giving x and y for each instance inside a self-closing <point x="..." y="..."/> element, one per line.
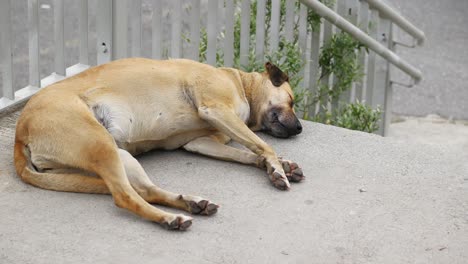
<point x="412" y="208"/>
<point x="443" y="59"/>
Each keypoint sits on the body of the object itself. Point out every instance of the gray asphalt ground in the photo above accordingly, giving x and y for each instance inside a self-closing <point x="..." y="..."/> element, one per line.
<point x="366" y="199"/>
<point x="443" y="59"/>
<point x="433" y="130"/>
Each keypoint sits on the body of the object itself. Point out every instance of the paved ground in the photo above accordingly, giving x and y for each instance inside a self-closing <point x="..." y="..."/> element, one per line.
<point x="443" y="59"/>
<point x="367" y="199"/>
<point x="432" y="130"/>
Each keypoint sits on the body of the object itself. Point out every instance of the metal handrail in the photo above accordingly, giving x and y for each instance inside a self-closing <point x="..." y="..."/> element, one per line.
<point x="388" y="12"/>
<point x="358" y="34"/>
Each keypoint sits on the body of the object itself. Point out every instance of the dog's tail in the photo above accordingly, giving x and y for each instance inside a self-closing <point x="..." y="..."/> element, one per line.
<point x="65" y="182"/>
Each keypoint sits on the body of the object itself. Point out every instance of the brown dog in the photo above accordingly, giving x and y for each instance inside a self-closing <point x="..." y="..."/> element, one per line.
<point x="80" y="134"/>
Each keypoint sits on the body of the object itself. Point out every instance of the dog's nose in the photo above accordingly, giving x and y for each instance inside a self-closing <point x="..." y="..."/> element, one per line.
<point x="299" y="127"/>
<point x="295" y="128"/>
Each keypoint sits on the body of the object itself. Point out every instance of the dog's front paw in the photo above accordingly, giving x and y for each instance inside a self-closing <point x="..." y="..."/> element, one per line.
<point x="279" y="180"/>
<point x="293" y="171"/>
<point x="177" y="222"/>
<point x="198" y="205"/>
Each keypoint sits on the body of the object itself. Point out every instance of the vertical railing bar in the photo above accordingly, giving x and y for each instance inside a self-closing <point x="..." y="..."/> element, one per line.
<point x="245" y="33"/>
<point x="156" y="30"/>
<point x="302" y="39"/>
<point x="104" y="31"/>
<point x="229" y="34"/>
<point x="353" y="7"/>
<point x="211" y="30"/>
<point x="135" y="25"/>
<point x="373" y="27"/>
<point x="362" y="22"/>
<point x="260" y="31"/>
<point x="314" y="69"/>
<point x="33" y="26"/>
<point x="388" y="104"/>
<point x="221" y="21"/>
<point x="5" y="50"/>
<point x="381" y="70"/>
<point x="84" y="32"/>
<point x="195" y="30"/>
<point x="289" y="21"/>
<point x="341" y="8"/>
<point x="176" y="29"/>
<point x="302" y="42"/>
<point x="332" y="103"/>
<point x="326" y="80"/>
<point x="274" y="25"/>
<point x="59" y="48"/>
<point x="120" y="28"/>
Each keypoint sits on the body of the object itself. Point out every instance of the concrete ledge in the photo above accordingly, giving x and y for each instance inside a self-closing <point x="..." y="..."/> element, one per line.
<point x="366" y="199"/>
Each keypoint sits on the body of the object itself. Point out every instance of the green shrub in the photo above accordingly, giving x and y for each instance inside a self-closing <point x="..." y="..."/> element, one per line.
<point x="354" y="116"/>
<point x="337" y="57"/>
<point x="358" y="116"/>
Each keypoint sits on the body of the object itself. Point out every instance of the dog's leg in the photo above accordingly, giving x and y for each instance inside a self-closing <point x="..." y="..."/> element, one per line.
<point x="112" y="171"/>
<point x="213" y="148"/>
<point x="209" y="147"/>
<point x="226" y="121"/>
<point x="153" y="194"/>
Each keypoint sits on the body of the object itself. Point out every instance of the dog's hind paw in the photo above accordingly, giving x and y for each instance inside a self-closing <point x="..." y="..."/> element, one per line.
<point x="203" y="207"/>
<point x="177" y="222"/>
<point x="197" y="205"/>
<point x="293" y="171"/>
<point x="279" y="181"/>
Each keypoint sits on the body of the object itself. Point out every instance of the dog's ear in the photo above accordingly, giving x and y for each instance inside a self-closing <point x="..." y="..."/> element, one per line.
<point x="277" y="77"/>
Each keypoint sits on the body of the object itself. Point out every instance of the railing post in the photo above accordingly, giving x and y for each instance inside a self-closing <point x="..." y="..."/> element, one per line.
<point x="381" y="80"/>
<point x="229" y="34"/>
<point x="118" y="28"/>
<point x="135" y="22"/>
<point x="260" y="31"/>
<point x="326" y="78"/>
<point x="302" y="27"/>
<point x="211" y="31"/>
<point x="84" y="32"/>
<point x="341" y="9"/>
<point x="363" y="23"/>
<point x="195" y="30"/>
<point x="388" y="107"/>
<point x="302" y="41"/>
<point x="33" y="38"/>
<point x="351" y="8"/>
<point x="104" y="31"/>
<point x="373" y="33"/>
<point x="83" y="62"/>
<point x="59" y="47"/>
<point x="245" y="33"/>
<point x="314" y="73"/>
<point x="289" y="20"/>
<point x="176" y="28"/>
<point x="5" y="53"/>
<point x="274" y="25"/>
<point x="157" y="28"/>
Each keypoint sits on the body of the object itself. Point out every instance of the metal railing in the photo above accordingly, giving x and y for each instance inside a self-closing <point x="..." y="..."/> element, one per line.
<point x="119" y="34"/>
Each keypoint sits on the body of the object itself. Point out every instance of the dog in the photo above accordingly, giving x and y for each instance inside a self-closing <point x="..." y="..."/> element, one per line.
<point x="81" y="134"/>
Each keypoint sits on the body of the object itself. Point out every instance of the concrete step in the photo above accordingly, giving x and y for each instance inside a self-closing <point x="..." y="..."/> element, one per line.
<point x="366" y="199"/>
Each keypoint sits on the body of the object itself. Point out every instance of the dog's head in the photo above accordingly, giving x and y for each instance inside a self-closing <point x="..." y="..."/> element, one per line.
<point x="277" y="110"/>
